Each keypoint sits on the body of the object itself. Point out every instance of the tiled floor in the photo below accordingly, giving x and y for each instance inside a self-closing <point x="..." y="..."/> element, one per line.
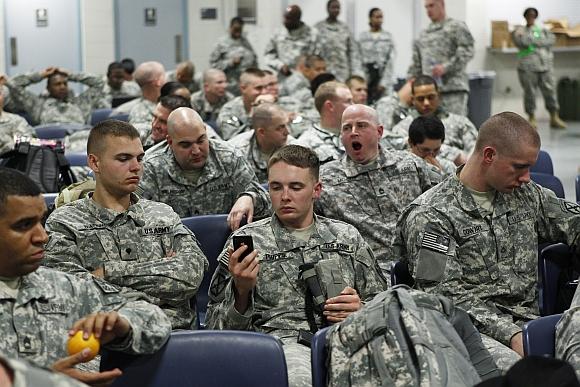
<point x="564" y="148"/>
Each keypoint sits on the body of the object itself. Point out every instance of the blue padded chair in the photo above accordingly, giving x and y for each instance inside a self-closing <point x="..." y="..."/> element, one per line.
<point x="400" y="274"/>
<point x="544" y="164"/>
<point x="49" y="198"/>
<point x="57" y="130"/>
<point x="549" y="273"/>
<point x="540" y="336"/>
<point x="212" y="232"/>
<point x="120" y="117"/>
<point x="99" y="115"/>
<point x="550" y="182"/>
<point x="205" y="358"/>
<point x="319" y="354"/>
<point x="578" y="188"/>
<point x="76" y="159"/>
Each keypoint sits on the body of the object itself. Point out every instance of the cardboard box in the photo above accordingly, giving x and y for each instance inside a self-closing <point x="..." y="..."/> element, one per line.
<point x="500" y="34"/>
<point x="561" y="40"/>
<point x="572" y="41"/>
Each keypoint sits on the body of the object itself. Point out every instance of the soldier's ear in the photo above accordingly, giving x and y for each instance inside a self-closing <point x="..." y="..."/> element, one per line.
<point x="317" y="190"/>
<point x="93" y="162"/>
<point x="489" y="154"/>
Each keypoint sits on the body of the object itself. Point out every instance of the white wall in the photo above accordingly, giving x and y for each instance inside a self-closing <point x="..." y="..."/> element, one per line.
<point x="98" y="35"/>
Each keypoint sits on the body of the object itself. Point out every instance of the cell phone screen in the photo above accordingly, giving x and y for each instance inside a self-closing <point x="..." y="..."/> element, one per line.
<point x="240" y="240"/>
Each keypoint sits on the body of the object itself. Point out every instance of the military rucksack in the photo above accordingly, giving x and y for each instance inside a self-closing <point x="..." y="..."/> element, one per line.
<point x="46" y="165"/>
<point x="75" y="192"/>
<point x="403" y="337"/>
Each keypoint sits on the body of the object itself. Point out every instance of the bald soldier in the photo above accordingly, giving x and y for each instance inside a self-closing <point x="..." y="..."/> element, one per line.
<point x="371" y="185"/>
<point x="213" y="95"/>
<point x="196" y="175"/>
<point x="150" y="76"/>
<point x="474" y="238"/>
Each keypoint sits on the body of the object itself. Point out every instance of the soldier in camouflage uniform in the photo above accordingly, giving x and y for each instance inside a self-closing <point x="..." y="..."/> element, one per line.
<point x="290" y="43"/>
<point x="197" y="176"/>
<point x="58" y="105"/>
<point x="426" y="136"/>
<point x="394" y="107"/>
<point x="474" y="238"/>
<point x="460" y="133"/>
<point x="265" y="293"/>
<point x="20" y="373"/>
<point x="150" y="76"/>
<point x="269" y="133"/>
<point x="41" y="307"/>
<point x="330" y="100"/>
<point x="359" y="89"/>
<point x="158" y="129"/>
<point x="130" y="243"/>
<point x="11" y="125"/>
<point x="442" y="51"/>
<point x="213" y="96"/>
<point x="370" y="186"/>
<point x="337" y="46"/>
<point x="116" y="86"/>
<point x="536" y="67"/>
<point x="378" y="55"/>
<point x="234" y="115"/>
<point x="233" y="54"/>
<point x="297" y="85"/>
<point x="568" y="334"/>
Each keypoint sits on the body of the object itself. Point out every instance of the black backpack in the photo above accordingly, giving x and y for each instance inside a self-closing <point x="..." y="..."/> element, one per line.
<point x="45" y="165"/>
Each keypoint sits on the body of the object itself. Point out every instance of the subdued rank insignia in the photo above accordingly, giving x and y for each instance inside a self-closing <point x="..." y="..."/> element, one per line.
<point x="435" y="242"/>
<point x="570" y="207"/>
<point x="105" y="286"/>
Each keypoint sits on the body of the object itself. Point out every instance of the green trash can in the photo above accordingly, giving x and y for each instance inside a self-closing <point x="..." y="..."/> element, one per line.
<point x="480" y="94"/>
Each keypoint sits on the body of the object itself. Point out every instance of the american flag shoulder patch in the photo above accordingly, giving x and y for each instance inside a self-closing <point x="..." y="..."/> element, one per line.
<point x="435" y="242"/>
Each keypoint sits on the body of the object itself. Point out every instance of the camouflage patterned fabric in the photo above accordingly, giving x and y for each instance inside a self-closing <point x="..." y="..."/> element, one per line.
<point x="286" y="47"/>
<point x="567" y="335"/>
<point x="391" y="110"/>
<point x="205" y="109"/>
<point x="372" y="196"/>
<point x="35" y="325"/>
<point x="277" y="305"/>
<point x="225" y="50"/>
<point x="44" y="109"/>
<point x="28" y="375"/>
<point x="145" y="249"/>
<point x="379" y="50"/>
<point x="339" y="49"/>
<point x="141" y="116"/>
<point x="13" y="125"/>
<point x="233" y="119"/>
<point x="295" y="86"/>
<point x="327" y="145"/>
<point x="225" y="176"/>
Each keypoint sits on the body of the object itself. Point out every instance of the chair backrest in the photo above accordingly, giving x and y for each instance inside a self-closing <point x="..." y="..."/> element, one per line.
<point x="205" y="358"/>
<point x="578" y="188"/>
<point x="540" y="335"/>
<point x="49" y="198"/>
<point x="76" y="159"/>
<point x="544" y="164"/>
<point x="400" y="274"/>
<point x="58" y="130"/>
<point x="550" y="182"/>
<point x="212" y="232"/>
<point x="549" y="274"/>
<point x="120" y="117"/>
<point x="319" y="354"/>
<point x="99" y="115"/>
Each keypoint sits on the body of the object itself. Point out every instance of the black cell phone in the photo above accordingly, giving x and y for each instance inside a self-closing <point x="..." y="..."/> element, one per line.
<point x="240" y="240"/>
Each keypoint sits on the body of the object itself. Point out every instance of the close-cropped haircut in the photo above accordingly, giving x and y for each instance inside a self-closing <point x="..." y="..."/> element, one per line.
<point x="251" y="72"/>
<point x="423" y="80"/>
<point x="429" y="127"/>
<point x="330" y="2"/>
<point x="327" y="92"/>
<point x="263" y="113"/>
<point x="128" y="65"/>
<point x="237" y="20"/>
<point x="108" y="128"/>
<point x="531" y="9"/>
<point x="357" y="78"/>
<point x="172" y="102"/>
<point x="14" y="182"/>
<point x="373" y="10"/>
<point x="170" y="87"/>
<point x="114" y="66"/>
<point x="297" y="156"/>
<point x="54" y="75"/>
<point x="310" y="60"/>
<point x="505" y="132"/>
<point x="319" y="80"/>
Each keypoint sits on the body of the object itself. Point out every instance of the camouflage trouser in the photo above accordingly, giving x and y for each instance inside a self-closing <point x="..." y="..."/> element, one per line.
<point x="530" y="81"/>
<point x="455" y="102"/>
<point x="503" y="356"/>
<point x="298" y="363"/>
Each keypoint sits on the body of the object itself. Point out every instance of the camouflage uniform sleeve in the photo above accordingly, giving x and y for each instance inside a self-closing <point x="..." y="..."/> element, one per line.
<point x="28" y="375"/>
<point x="218" y="58"/>
<point x="388" y="72"/>
<point x="521" y="38"/>
<point x="23" y="128"/>
<point x="442" y="273"/>
<point x="356" y="67"/>
<point x="559" y="219"/>
<point x="429" y="175"/>
<point x="172" y="279"/>
<point x="568" y="335"/>
<point x="415" y="68"/>
<point x="450" y="152"/>
<point x="246" y="183"/>
<point x="29" y="101"/>
<point x="221" y="313"/>
<point x="93" y="97"/>
<point x="469" y="136"/>
<point x="463" y="51"/>
<point x="271" y="57"/>
<point x="547" y="39"/>
<point x="148" y="187"/>
<point x="369" y="279"/>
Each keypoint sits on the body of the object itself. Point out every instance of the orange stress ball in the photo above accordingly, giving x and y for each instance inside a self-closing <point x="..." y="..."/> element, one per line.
<point x="77" y="343"/>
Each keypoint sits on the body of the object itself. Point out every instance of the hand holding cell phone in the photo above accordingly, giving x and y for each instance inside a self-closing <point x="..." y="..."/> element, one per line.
<point x="243" y="240"/>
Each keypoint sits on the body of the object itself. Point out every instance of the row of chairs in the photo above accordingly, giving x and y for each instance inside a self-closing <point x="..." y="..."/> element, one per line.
<point x="543" y="174"/>
<point x="61" y="130"/>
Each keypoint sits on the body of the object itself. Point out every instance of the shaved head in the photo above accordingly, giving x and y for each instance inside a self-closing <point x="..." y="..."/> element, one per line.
<point x="181" y="118"/>
<point x="149" y="72"/>
<point x="363" y="110"/>
<point x="211" y="74"/>
<point x="505" y="132"/>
